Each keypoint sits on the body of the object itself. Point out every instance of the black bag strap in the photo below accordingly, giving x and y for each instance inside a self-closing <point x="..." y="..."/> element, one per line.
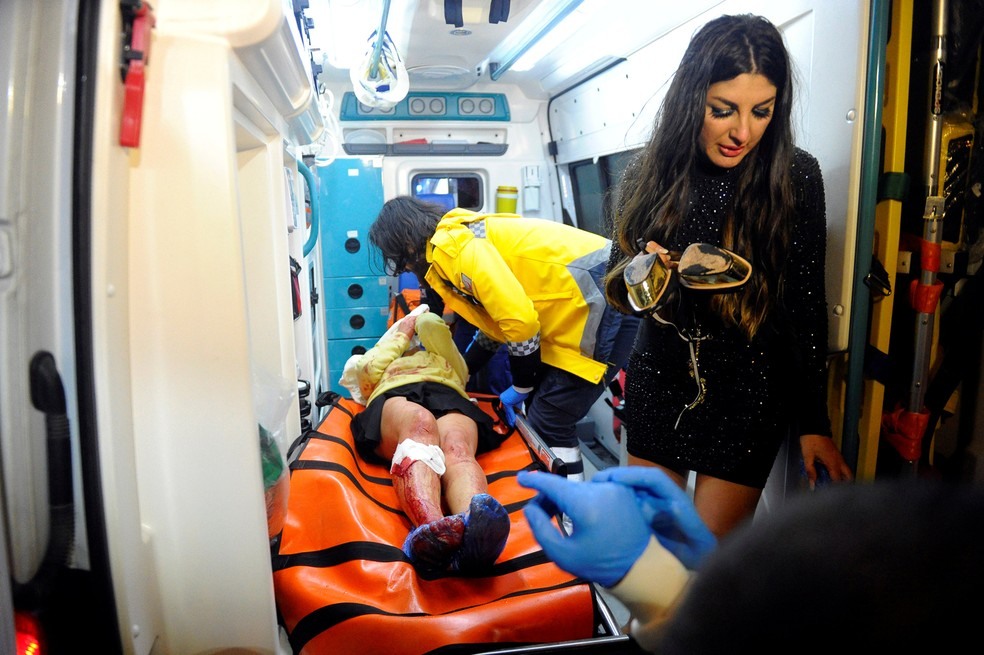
<point x="399" y="302"/>
<point x="452" y="13"/>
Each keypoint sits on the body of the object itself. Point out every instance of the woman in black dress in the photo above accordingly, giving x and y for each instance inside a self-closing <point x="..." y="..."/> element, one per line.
<point x="719" y="378"/>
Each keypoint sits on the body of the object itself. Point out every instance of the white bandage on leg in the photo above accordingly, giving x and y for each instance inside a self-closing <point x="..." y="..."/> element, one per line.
<point x="415" y="451"/>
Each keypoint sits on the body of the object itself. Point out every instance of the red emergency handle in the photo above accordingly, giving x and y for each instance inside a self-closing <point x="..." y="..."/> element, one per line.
<point x="133" y="85"/>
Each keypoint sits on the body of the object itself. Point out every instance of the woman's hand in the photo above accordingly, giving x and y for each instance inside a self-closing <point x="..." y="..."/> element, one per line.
<point x="664" y="254"/>
<point x="816" y="447"/>
<point x="408" y="325"/>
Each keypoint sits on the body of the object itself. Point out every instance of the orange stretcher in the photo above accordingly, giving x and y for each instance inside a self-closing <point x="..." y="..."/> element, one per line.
<point x="343" y="586"/>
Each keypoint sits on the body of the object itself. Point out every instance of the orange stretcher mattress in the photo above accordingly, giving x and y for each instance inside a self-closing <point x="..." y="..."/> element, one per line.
<point x="343" y="586"/>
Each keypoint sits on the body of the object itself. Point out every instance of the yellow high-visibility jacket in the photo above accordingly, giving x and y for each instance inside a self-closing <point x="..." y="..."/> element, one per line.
<point x="518" y="279"/>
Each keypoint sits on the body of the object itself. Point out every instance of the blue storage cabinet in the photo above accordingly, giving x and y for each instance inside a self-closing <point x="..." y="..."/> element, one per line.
<point x="356" y="291"/>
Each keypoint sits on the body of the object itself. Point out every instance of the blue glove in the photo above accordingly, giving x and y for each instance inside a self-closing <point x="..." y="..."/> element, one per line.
<point x="512" y="400"/>
<point x="610" y="531"/>
<point x="668" y="511"/>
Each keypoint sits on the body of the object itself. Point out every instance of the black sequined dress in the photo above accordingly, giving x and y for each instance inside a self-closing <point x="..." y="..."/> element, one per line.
<point x="752" y="391"/>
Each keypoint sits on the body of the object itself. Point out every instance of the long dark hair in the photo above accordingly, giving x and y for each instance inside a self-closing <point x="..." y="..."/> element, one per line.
<point x="401" y="231"/>
<point x="653" y="196"/>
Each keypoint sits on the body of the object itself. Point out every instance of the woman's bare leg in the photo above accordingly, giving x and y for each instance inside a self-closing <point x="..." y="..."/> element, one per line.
<point x="464" y="477"/>
<point x="680" y="477"/>
<point x="466" y="494"/>
<point x="418" y="487"/>
<point x="724" y="505"/>
<point x="436" y="540"/>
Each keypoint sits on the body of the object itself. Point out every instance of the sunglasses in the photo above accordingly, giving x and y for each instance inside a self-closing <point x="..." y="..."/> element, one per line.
<point x="701" y="267"/>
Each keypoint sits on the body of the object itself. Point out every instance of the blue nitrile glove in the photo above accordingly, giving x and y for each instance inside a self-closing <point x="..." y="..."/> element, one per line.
<point x="512" y="400"/>
<point x="667" y="509"/>
<point x="610" y="531"/>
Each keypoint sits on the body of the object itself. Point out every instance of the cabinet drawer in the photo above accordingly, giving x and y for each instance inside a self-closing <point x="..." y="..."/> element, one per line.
<point x="363" y="291"/>
<point x="339" y="350"/>
<point x="346" y="253"/>
<point x="356" y="322"/>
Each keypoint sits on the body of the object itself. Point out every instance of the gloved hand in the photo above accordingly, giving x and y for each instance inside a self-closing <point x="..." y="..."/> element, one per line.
<point x="610" y="531"/>
<point x="512" y="400"/>
<point x="667" y="509"/>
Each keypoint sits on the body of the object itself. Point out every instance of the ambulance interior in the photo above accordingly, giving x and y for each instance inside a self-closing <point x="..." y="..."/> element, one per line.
<point x="197" y="266"/>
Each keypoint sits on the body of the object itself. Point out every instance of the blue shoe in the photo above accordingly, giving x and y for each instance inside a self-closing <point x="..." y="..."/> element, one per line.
<point x="433" y="546"/>
<point x="486" y="531"/>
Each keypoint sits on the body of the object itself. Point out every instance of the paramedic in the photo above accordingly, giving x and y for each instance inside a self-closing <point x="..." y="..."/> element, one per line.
<point x="882" y="567"/>
<point x="419" y="419"/>
<point x="532" y="284"/>
<point x="719" y="378"/>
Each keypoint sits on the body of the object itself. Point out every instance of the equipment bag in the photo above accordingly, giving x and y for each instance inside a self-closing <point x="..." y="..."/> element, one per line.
<point x="402" y="303"/>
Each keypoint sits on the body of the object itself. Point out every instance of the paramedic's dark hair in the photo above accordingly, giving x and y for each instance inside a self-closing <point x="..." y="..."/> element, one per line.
<point x="655" y="191"/>
<point x="401" y="231"/>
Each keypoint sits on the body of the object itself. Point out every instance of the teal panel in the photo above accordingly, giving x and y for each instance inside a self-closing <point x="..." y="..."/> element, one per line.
<point x="357" y="322"/>
<point x="360" y="291"/>
<point x="351" y="195"/>
<point x="431" y="106"/>
<point x="339" y="350"/>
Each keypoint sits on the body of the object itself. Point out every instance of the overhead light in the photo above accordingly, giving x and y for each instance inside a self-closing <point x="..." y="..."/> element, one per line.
<point x="545" y="18"/>
<point x="563" y="31"/>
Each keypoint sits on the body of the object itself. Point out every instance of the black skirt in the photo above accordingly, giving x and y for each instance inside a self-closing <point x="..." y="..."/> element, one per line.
<point x="437" y="398"/>
<point x="733" y="433"/>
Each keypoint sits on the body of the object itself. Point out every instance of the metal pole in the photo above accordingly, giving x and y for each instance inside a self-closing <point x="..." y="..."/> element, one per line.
<point x="932" y="214"/>
<point x="377" y="47"/>
<point x="925" y="292"/>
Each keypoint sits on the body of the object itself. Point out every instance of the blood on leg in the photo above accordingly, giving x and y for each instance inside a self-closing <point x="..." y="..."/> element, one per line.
<point x="410" y="439"/>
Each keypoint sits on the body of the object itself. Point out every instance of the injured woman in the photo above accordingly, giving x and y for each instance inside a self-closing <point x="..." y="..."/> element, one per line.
<point x="420" y="420"/>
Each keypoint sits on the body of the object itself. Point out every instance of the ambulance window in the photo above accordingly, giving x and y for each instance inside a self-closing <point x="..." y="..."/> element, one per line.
<point x="588" y="196"/>
<point x="449" y="189"/>
<point x="593" y="184"/>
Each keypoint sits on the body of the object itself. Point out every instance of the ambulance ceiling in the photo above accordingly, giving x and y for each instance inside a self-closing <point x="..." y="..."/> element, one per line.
<point x="576" y="38"/>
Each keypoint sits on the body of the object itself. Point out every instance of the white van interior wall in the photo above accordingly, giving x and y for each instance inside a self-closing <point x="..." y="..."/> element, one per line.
<point x="526" y="138"/>
<point x="180" y="327"/>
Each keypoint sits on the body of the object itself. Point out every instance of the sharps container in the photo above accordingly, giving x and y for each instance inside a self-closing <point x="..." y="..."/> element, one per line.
<point x="506" y="198"/>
